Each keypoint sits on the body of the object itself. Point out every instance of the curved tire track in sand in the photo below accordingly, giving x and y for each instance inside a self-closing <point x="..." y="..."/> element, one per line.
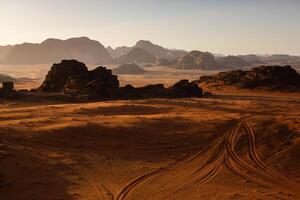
<point x="255" y="157"/>
<point x="258" y="172"/>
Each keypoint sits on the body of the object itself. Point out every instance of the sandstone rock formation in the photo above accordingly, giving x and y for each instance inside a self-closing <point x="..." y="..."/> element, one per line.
<point x="159" y="51"/>
<point x="154" y="49"/>
<point x="162" y="62"/>
<point x="54" y="50"/>
<point x="197" y="60"/>
<point x="4" y="50"/>
<point x="270" y="77"/>
<point x="184" y="88"/>
<point x="119" y="51"/>
<point x="137" y="55"/>
<point x="252" y="59"/>
<point x="71" y="76"/>
<point x="130" y="68"/>
<point x="232" y="62"/>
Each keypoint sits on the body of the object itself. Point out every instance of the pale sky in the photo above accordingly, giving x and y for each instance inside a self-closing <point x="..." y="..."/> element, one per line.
<point x="219" y="26"/>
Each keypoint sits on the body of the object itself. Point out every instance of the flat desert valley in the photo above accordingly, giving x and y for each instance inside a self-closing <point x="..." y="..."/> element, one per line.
<point x="232" y="144"/>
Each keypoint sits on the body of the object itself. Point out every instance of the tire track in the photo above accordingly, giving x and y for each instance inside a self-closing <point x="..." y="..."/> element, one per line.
<point x="258" y="172"/>
<point x="256" y="159"/>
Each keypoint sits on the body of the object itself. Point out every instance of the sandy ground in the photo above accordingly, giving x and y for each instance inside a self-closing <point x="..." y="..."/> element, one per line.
<point x="156" y="74"/>
<point x="218" y="147"/>
<point x="231" y="145"/>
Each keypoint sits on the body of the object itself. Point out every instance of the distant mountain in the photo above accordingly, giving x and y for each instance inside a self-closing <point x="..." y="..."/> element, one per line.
<point x="119" y="51"/>
<point x="156" y="50"/>
<point x="159" y="51"/>
<point x="233" y="62"/>
<point x="196" y="60"/>
<point x="131" y="68"/>
<point x="252" y="59"/>
<point x="4" y="50"/>
<point x="283" y="59"/>
<point x="54" y="50"/>
<point x="136" y="55"/>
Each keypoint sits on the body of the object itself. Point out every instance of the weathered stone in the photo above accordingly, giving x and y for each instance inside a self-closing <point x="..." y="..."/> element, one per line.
<point x="101" y="83"/>
<point x="197" y="60"/>
<point x="184" y="88"/>
<point x="73" y="77"/>
<point x="269" y="77"/>
<point x="60" y="73"/>
<point x="130" y="68"/>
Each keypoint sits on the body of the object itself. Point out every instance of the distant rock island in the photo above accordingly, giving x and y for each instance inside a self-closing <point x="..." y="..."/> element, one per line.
<point x="130" y="68"/>
<point x="137" y="55"/>
<point x="196" y="60"/>
<point x="283" y="78"/>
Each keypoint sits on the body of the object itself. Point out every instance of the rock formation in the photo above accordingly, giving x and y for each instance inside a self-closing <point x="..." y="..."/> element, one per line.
<point x="184" y="88"/>
<point x="54" y="50"/>
<point x="159" y="51"/>
<point x="252" y="59"/>
<point x="270" y="77"/>
<point x="73" y="78"/>
<point x="4" y="50"/>
<point x="154" y="49"/>
<point x="119" y="51"/>
<point x="197" y="60"/>
<point x="137" y="55"/>
<point x="162" y="62"/>
<point x="232" y="62"/>
<point x="131" y="68"/>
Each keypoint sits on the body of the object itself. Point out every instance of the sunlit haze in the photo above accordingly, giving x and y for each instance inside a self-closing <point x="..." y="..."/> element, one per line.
<point x="227" y="26"/>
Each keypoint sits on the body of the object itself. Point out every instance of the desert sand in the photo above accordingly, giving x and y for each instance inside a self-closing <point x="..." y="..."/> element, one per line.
<point x="224" y="146"/>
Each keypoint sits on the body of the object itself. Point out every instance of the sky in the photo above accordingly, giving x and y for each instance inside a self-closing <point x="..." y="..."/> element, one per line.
<point x="219" y="26"/>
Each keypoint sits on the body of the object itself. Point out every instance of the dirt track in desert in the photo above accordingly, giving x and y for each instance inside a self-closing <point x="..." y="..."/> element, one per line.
<point x="218" y="147"/>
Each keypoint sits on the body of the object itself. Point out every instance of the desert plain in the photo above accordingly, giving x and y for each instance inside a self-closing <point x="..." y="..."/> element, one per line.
<point x="233" y="144"/>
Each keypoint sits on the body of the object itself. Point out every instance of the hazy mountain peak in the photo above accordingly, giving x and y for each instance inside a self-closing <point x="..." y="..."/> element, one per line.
<point x="144" y="42"/>
<point x="54" y="50"/>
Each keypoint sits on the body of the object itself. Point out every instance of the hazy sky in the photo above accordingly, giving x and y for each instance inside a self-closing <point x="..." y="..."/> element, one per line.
<point x="220" y="26"/>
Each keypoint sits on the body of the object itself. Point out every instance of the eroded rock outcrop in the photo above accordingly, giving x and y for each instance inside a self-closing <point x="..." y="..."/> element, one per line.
<point x="197" y="60"/>
<point x="269" y="77"/>
<point x="233" y="62"/>
<point x="73" y="78"/>
<point x="130" y="68"/>
<point x="184" y="88"/>
<point x="137" y="55"/>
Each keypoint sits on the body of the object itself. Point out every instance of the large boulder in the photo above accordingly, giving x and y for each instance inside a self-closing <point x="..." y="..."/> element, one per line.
<point x="59" y="74"/>
<point x="71" y="76"/>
